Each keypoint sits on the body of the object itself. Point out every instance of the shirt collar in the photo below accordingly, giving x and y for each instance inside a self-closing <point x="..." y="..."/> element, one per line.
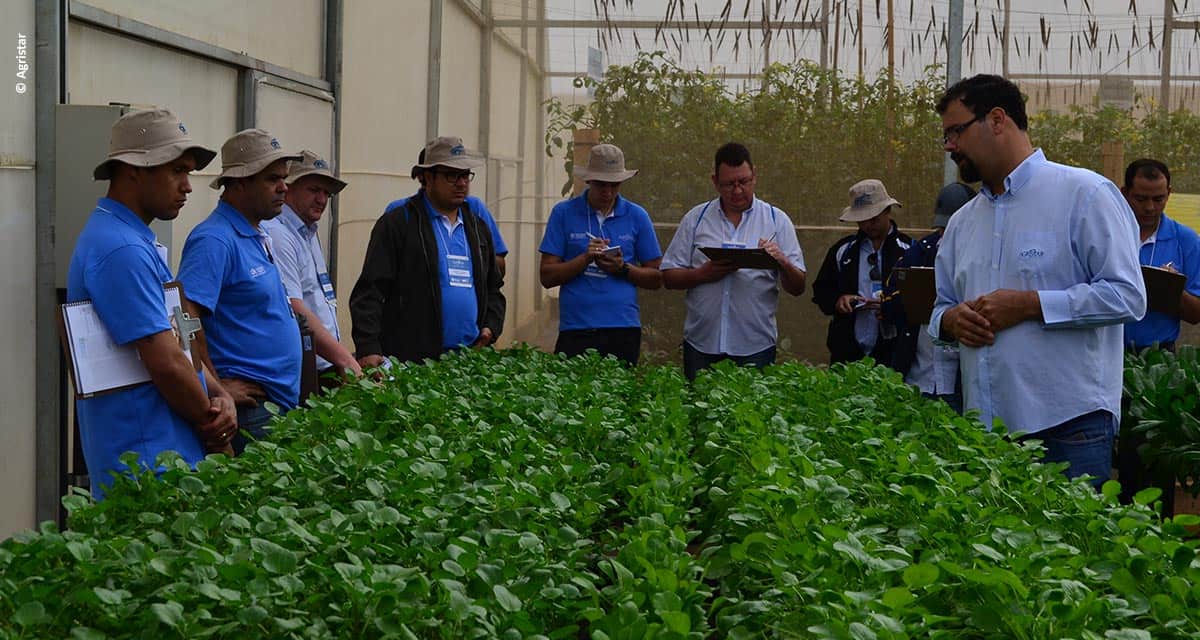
<point x="293" y="220"/>
<point x="1020" y="176"/>
<point x="617" y="205"/>
<point x="432" y="211"/>
<point x="126" y="215"/>
<point x="235" y="218"/>
<point x="753" y="204"/>
<point x="1166" y="229"/>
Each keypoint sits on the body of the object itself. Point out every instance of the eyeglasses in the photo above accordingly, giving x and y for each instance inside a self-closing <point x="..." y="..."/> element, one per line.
<point x="454" y="177"/>
<point x="873" y="260"/>
<point x="744" y="183"/>
<point x="951" y="134"/>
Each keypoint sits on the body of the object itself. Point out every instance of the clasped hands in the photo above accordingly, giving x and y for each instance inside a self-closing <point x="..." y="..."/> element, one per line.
<point x="975" y="323"/>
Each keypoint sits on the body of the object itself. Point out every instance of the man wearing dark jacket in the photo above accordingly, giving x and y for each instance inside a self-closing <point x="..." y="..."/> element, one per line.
<point x="429" y="282"/>
<point x="850" y="282"/>
<point x="931" y="368"/>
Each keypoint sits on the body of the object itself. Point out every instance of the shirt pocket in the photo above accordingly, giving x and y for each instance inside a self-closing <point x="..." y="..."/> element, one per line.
<point x="1035" y="255"/>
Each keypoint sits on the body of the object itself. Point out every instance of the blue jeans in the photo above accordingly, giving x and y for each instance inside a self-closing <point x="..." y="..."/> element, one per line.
<point x="1084" y="443"/>
<point x="694" y="360"/>
<point x="252" y="421"/>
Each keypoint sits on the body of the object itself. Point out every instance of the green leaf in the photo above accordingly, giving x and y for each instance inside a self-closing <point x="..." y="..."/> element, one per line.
<point x="1127" y="634"/>
<point x="275" y="558"/>
<point x="920" y="575"/>
<point x="1147" y="496"/>
<point x="108" y="596"/>
<point x="87" y="633"/>
<point x="560" y="501"/>
<point x="30" y="614"/>
<point x="169" y="613"/>
<point x="677" y="621"/>
<point x="897" y="598"/>
<point x="506" y="599"/>
<point x="252" y="615"/>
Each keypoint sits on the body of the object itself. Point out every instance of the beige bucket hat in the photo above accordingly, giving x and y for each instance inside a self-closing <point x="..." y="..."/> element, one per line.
<point x="247" y="153"/>
<point x="868" y="199"/>
<point x="148" y="139"/>
<point x="311" y="164"/>
<point x="606" y="163"/>
<point x="447" y="151"/>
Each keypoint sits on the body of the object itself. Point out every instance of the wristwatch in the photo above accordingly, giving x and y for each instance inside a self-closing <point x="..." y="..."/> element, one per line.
<point x="624" y="270"/>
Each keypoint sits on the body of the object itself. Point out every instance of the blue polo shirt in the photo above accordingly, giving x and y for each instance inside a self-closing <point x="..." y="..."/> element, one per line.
<point x="456" y="277"/>
<point x="117" y="266"/>
<point x="480" y="209"/>
<point x="595" y="299"/>
<point x="1180" y="246"/>
<point x="251" y="333"/>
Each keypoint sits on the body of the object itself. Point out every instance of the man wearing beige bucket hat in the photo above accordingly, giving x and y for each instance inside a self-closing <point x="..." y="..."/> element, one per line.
<point x="301" y="262"/>
<point x="731" y="311"/>
<point x="229" y="275"/>
<point x="429" y="282"/>
<point x="600" y="247"/>
<point x="121" y="269"/>
<point x="850" y="283"/>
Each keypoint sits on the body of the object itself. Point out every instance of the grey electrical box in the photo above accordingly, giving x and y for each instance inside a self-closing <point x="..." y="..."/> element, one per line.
<point x="82" y="143"/>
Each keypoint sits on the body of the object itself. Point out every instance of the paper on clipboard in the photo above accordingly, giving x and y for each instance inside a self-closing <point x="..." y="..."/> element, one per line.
<point x="742" y="258"/>
<point x="917" y="293"/>
<point x="97" y="363"/>
<point x="1164" y="289"/>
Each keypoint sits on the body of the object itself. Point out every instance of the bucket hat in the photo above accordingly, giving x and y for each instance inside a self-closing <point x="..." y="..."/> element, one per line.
<point x="950" y="199"/>
<point x="311" y="164"/>
<point x="868" y="198"/>
<point x="447" y="151"/>
<point x="606" y="163"/>
<point x="148" y="139"/>
<point x="247" y="153"/>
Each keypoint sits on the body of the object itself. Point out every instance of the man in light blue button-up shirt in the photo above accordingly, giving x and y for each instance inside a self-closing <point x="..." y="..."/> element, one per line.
<point x="1034" y="279"/>
<point x="301" y="262"/>
<point x="731" y="311"/>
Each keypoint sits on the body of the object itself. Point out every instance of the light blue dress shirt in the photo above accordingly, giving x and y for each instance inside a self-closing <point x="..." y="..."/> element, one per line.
<point x="736" y="314"/>
<point x="1068" y="234"/>
<point x="302" y="268"/>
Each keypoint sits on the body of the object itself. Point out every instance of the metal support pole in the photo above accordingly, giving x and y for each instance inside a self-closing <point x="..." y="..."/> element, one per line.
<point x="954" y="70"/>
<point x="487" y="34"/>
<point x="433" y="97"/>
<point x="1164" y="91"/>
<point x="334" y="16"/>
<point x="49" y="79"/>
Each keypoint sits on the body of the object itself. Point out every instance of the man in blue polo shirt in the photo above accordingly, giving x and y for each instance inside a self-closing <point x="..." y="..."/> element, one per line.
<point x="301" y="262"/>
<point x="731" y="311"/>
<point x="584" y="250"/>
<point x="228" y="272"/>
<point x="121" y="269"/>
<point x="429" y="282"/>
<point x="1166" y="244"/>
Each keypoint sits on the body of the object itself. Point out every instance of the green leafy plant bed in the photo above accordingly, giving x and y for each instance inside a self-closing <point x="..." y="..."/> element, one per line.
<point x="518" y="494"/>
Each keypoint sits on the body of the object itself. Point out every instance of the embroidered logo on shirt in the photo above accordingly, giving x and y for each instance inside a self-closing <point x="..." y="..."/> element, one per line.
<point x="257" y="271"/>
<point x="1032" y="253"/>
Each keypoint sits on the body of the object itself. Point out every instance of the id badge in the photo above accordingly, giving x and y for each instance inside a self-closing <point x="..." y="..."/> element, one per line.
<point x="326" y="286"/>
<point x="731" y="244"/>
<point x="459" y="270"/>
<point x="877" y="290"/>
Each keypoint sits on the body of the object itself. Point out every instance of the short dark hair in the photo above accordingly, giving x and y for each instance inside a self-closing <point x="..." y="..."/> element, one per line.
<point x="732" y="154"/>
<point x="1147" y="168"/>
<point x="984" y="92"/>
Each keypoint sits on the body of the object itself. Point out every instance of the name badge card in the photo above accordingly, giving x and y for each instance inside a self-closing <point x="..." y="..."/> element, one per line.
<point x="459" y="270"/>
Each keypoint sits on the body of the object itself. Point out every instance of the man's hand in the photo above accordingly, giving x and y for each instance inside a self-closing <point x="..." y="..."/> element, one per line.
<point x="967" y="326"/>
<point x="773" y="250"/>
<point x="221" y="426"/>
<point x="610" y="264"/>
<point x="595" y="249"/>
<point x="714" y="270"/>
<point x="485" y="338"/>
<point x="1004" y="308"/>
<point x="371" y="361"/>
<point x="848" y="303"/>
<point x="244" y="392"/>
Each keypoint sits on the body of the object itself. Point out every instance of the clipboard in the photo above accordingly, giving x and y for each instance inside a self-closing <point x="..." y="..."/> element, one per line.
<point x="97" y="364"/>
<point x="742" y="258"/>
<point x="918" y="292"/>
<point x="1163" y="290"/>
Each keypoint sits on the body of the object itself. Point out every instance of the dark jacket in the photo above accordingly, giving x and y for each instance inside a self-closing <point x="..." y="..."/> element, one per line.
<point x="839" y="276"/>
<point x="396" y="305"/>
<point x="922" y="253"/>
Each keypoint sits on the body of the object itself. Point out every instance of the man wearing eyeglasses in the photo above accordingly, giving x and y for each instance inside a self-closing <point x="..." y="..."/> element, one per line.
<point x="731" y="311"/>
<point x="1035" y="278"/>
<point x="850" y="282"/>
<point x="599" y="248"/>
<point x="430" y="282"/>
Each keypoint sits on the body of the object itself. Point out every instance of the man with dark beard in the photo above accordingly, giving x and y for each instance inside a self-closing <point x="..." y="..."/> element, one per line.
<point x="1034" y="280"/>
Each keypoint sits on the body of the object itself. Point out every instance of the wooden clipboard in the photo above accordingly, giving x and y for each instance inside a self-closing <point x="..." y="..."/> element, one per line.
<point x="742" y="258"/>
<point x="96" y="364"/>
<point x="1163" y="290"/>
<point x="918" y="292"/>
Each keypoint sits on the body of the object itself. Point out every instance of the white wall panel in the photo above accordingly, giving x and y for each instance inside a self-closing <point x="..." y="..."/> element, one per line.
<point x="103" y="67"/>
<point x="289" y="33"/>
